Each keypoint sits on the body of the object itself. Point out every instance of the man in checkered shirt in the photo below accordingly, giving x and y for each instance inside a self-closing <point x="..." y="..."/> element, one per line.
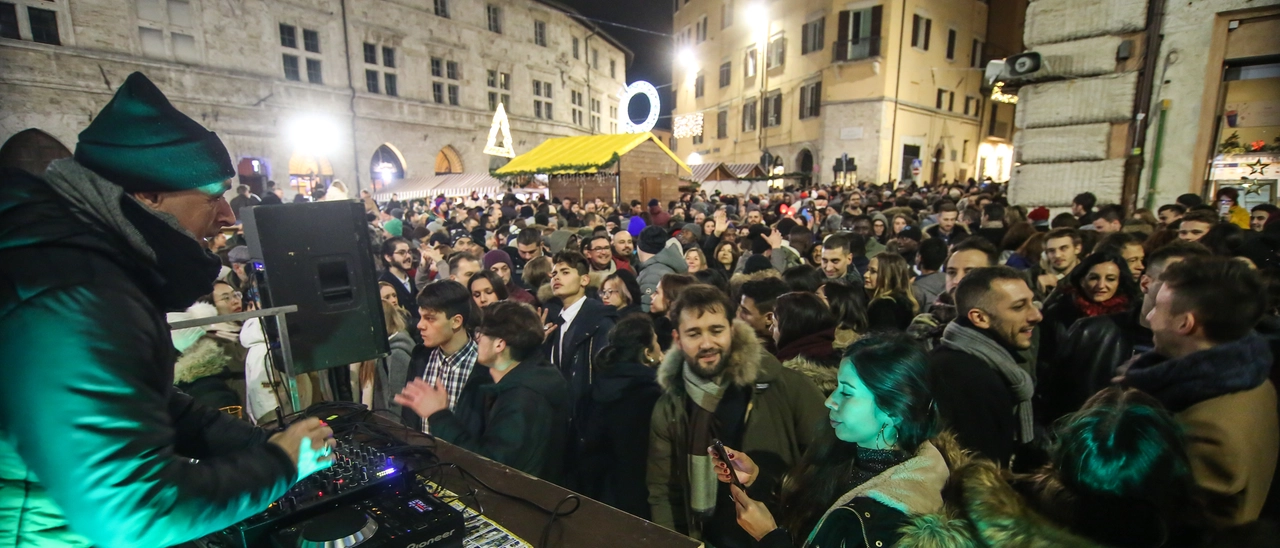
<point x="448" y="353"/>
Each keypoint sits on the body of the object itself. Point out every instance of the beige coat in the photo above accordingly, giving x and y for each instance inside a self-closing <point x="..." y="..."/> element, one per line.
<point x="1233" y="441"/>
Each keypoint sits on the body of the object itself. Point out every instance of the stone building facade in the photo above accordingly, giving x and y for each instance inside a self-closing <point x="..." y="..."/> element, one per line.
<point x="1094" y="122"/>
<point x="316" y="90"/>
<point x="890" y="83"/>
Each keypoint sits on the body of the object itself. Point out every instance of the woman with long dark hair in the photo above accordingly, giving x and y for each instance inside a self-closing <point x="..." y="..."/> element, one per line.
<point x="614" y="446"/>
<point x="874" y="468"/>
<point x="725" y="259"/>
<point x="1100" y="285"/>
<point x="486" y="288"/>
<point x="891" y="305"/>
<point x="805" y="331"/>
<point x="849" y="305"/>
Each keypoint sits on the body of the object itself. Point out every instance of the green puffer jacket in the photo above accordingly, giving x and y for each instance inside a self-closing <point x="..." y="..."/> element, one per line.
<point x="96" y="444"/>
<point x="784" y="417"/>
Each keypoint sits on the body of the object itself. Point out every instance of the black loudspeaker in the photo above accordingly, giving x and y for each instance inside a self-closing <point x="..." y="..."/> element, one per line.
<point x="317" y="256"/>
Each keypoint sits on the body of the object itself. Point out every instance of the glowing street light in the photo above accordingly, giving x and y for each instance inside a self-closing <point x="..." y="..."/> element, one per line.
<point x="312" y="134"/>
<point x="693" y="159"/>
<point x="687" y="59"/>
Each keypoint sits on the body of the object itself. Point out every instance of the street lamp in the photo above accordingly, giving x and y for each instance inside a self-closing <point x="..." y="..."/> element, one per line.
<point x="693" y="159"/>
<point x="686" y="59"/>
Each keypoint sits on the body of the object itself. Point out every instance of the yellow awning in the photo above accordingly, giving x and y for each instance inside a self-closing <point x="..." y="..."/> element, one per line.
<point x="585" y="154"/>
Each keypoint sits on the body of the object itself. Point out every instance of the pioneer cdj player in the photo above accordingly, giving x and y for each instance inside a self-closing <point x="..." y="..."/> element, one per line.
<point x="366" y="497"/>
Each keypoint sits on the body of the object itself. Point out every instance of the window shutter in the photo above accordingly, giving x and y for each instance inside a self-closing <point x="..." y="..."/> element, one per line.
<point x="815" y="102"/>
<point x="928" y="31"/>
<point x="876" y="16"/>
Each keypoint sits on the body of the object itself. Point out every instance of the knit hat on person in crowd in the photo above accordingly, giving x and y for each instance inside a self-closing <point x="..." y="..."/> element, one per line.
<point x="694" y="228"/>
<point x="440" y="238"/>
<point x="558" y="240"/>
<point x="1038" y="215"/>
<point x="635" y="226"/>
<point x="394" y="227"/>
<point x="756" y="263"/>
<point x="652" y="239"/>
<point x="397" y="213"/>
<point x="616" y="220"/>
<point x="140" y="142"/>
<point x="910" y="231"/>
<point x="420" y="233"/>
<point x="786" y="224"/>
<point x="653" y="202"/>
<point x="239" y="255"/>
<point x="498" y="256"/>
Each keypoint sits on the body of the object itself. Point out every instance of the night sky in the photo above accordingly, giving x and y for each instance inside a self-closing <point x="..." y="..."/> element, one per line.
<point x="652" y="53"/>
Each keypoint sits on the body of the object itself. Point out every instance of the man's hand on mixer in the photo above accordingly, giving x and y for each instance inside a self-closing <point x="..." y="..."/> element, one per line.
<point x="309" y="443"/>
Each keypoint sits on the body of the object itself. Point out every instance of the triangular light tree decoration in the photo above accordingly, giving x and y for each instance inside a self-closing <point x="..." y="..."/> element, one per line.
<point x="500" y="124"/>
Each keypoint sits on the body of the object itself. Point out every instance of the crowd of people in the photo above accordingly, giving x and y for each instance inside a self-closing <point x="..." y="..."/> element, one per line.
<point x="968" y="352"/>
<point x="882" y="365"/>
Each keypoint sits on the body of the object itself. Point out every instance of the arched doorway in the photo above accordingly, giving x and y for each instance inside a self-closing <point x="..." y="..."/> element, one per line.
<point x="448" y="161"/>
<point x="386" y="167"/>
<point x="254" y="173"/>
<point x="31" y="150"/>
<point x="804" y="164"/>
<point x="307" y="173"/>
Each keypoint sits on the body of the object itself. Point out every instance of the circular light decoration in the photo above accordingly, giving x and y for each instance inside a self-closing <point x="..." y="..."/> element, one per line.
<point x="624" y="103"/>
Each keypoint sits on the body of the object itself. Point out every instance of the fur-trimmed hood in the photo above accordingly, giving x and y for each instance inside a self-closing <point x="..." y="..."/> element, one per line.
<point x="984" y="510"/>
<point x="203" y="359"/>
<point x="743" y="361"/>
<point x="824" y="376"/>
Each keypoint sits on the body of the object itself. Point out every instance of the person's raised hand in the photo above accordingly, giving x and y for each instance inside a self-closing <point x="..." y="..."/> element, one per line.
<point x="774" y="238"/>
<point x="743" y="466"/>
<point x="547" y="327"/>
<point x="753" y="515"/>
<point x="309" y="443"/>
<point x="424" y="399"/>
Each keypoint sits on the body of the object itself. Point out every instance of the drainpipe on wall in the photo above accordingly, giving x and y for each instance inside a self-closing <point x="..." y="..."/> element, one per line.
<point x="893" y="130"/>
<point x="1142" y="106"/>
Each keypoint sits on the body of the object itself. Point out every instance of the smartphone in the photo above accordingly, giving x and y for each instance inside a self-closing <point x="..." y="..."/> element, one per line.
<point x="724" y="457"/>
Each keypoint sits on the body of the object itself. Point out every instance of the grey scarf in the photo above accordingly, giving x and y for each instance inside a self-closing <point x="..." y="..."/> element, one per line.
<point x="96" y="201"/>
<point x="703" y="485"/>
<point x="972" y="341"/>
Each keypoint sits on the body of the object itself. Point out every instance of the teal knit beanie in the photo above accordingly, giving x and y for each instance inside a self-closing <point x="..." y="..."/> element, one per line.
<point x="142" y="143"/>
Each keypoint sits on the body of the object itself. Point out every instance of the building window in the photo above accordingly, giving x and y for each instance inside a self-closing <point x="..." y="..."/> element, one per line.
<point x="969" y="104"/>
<point x="921" y="28"/>
<point x="613" y="68"/>
<point x="811" y="36"/>
<point x="370" y="54"/>
<point x="371" y="81"/>
<point x="749" y="115"/>
<point x="595" y="115"/>
<point x="858" y="35"/>
<point x="451" y="70"/>
<point x="722" y="124"/>
<point x="772" y="109"/>
<point x="699" y="85"/>
<point x="540" y="33"/>
<point x="288" y="36"/>
<point x="291" y="71"/>
<point x="311" y="40"/>
<point x="442" y="8"/>
<point x="9" y="21"/>
<point x="749" y="62"/>
<point x="951" y="44"/>
<point x="313" y="72"/>
<point x="575" y="48"/>
<point x="725" y="73"/>
<point x="613" y="119"/>
<point x="697" y="139"/>
<point x="975" y="56"/>
<point x="946" y="99"/>
<point x="494" y="15"/>
<point x="388" y="57"/>
<point x="437" y="67"/>
<point x="390" y="80"/>
<point x="437" y="92"/>
<point x="702" y="29"/>
<point x="498" y="81"/>
<point x="595" y="58"/>
<point x="575" y="97"/>
<point x="453" y="95"/>
<point x="777" y="51"/>
<point x="184" y="50"/>
<point x="810" y="100"/>
<point x="726" y="14"/>
<point x="542" y="106"/>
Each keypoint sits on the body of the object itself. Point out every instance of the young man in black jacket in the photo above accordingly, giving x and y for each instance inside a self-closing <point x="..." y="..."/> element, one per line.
<point x="582" y="325"/>
<point x="521" y="419"/>
<point x="981" y="383"/>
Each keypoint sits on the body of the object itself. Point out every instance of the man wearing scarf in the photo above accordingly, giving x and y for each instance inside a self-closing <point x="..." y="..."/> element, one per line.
<point x="92" y="255"/>
<point x="981" y="382"/>
<point x="718" y="383"/>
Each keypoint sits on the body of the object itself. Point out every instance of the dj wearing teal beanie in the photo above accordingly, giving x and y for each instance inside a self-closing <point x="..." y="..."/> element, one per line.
<point x="97" y="446"/>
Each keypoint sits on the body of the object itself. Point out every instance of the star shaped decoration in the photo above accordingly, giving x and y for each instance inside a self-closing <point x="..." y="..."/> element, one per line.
<point x="1250" y="186"/>
<point x="1257" y="167"/>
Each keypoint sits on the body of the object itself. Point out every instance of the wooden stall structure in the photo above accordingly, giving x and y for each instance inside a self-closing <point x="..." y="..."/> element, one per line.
<point x="613" y="168"/>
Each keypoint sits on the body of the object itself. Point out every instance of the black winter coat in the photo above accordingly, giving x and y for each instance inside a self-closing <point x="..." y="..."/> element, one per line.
<point x="613" y="443"/>
<point x="584" y="339"/>
<point x="87" y="402"/>
<point x="893" y="314"/>
<point x="520" y="421"/>
<point x="1087" y="360"/>
<point x="975" y="403"/>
